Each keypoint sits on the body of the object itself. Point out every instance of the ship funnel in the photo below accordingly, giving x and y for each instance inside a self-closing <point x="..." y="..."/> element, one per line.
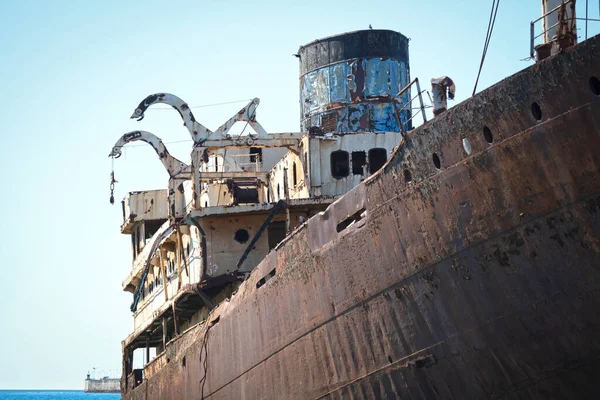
<point x="352" y="82"/>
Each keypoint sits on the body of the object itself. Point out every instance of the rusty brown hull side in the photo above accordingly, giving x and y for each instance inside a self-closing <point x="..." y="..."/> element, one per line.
<point x="480" y="279"/>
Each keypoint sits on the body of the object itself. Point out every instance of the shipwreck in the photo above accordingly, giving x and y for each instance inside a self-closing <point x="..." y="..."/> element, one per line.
<point x="378" y="253"/>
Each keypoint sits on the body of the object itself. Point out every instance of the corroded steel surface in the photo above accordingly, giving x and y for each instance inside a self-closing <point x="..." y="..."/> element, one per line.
<point x="475" y="278"/>
<point x="351" y="82"/>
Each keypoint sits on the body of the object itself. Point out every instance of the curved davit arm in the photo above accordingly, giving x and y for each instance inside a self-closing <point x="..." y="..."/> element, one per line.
<point x="198" y="131"/>
<point x="173" y="165"/>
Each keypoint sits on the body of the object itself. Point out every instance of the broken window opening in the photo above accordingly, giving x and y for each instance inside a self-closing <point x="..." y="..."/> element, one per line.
<point x="359" y="160"/>
<point x="340" y="164"/>
<point x="377" y="159"/>
<point x="357" y="216"/>
<point x="265" y="278"/>
<point x="295" y="172"/>
<point x="256" y="154"/>
<point x="151" y="227"/>
<point x="275" y="233"/>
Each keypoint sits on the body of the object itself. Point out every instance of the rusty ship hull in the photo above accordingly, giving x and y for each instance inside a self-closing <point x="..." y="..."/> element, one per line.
<point x="469" y="276"/>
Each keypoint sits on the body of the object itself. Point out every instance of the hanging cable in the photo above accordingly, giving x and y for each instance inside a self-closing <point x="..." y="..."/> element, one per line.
<point x="205" y="105"/>
<point x="251" y="117"/>
<point x="144" y="145"/>
<point x="204" y="349"/>
<point x="112" y="181"/>
<point x="491" y="23"/>
<point x="586" y="19"/>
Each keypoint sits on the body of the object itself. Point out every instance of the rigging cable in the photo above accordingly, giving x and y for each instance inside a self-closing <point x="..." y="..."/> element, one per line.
<point x="488" y="36"/>
<point x="251" y="117"/>
<point x="205" y="105"/>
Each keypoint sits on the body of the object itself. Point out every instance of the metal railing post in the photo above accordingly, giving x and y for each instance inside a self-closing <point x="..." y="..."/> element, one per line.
<point x="420" y="100"/>
<point x="531" y="38"/>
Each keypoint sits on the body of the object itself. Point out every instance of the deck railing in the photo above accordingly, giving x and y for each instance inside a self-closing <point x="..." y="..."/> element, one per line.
<point x="533" y="36"/>
<point x="408" y="105"/>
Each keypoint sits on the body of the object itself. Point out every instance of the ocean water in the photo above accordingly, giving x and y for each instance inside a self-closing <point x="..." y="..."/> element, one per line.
<point x="55" y="395"/>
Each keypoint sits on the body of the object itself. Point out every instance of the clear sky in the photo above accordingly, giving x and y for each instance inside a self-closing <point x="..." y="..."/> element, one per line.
<point x="71" y="74"/>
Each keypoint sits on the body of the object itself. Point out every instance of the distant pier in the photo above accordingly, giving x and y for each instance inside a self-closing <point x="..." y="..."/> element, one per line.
<point x="105" y="385"/>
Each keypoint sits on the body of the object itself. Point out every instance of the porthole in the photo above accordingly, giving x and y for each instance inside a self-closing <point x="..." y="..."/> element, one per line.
<point x="595" y="85"/>
<point x="536" y="111"/>
<point x="241" y="236"/>
<point x="436" y="161"/>
<point x="467" y="145"/>
<point x="487" y="134"/>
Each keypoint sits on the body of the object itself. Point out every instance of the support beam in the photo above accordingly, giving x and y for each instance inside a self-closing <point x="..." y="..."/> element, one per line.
<point x="175" y="323"/>
<point x="185" y="264"/>
<point x="278" y="206"/>
<point x="164" y="273"/>
<point x="178" y="253"/>
<point x="209" y="176"/>
<point x="147" y="349"/>
<point x="286" y="192"/>
<point x="164" y="333"/>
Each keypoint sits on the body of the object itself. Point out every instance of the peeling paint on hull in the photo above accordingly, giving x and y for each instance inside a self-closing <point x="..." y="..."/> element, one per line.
<point x="479" y="279"/>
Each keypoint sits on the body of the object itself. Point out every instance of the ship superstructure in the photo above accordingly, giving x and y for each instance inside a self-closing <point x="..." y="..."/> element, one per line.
<point x="365" y="258"/>
<point x="241" y="195"/>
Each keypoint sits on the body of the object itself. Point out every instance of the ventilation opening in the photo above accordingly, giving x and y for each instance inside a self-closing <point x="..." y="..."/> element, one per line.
<point x="256" y="154"/>
<point x="357" y="216"/>
<point x="407" y="176"/>
<point x="536" y="111"/>
<point x="359" y="160"/>
<point x="266" y="278"/>
<point x="340" y="164"/>
<point x="595" y="85"/>
<point x="487" y="134"/>
<point x="436" y="161"/>
<point x="241" y="236"/>
<point x="295" y="172"/>
<point x="467" y="145"/>
<point x="377" y="158"/>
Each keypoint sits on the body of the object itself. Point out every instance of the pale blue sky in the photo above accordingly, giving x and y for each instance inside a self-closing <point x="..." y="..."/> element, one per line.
<point x="71" y="73"/>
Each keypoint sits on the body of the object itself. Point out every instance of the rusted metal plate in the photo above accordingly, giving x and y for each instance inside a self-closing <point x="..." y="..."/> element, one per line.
<point x="475" y="278"/>
<point x="335" y="75"/>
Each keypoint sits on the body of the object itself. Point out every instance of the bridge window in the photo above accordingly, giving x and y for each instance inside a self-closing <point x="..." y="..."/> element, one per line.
<point x="340" y="164"/>
<point x="377" y="158"/>
<point x="255" y="154"/>
<point x="359" y="158"/>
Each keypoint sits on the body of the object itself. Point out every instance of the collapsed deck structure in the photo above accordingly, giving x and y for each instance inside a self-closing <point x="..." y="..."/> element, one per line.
<point x="362" y="258"/>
